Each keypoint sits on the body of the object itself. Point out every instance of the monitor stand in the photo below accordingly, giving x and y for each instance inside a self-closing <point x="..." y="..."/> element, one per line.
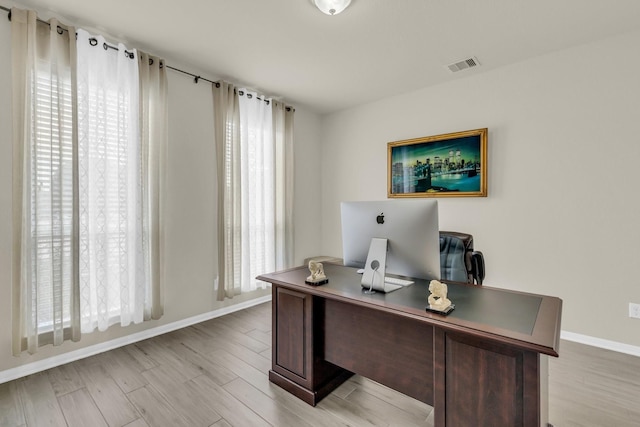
<point x="375" y="266"/>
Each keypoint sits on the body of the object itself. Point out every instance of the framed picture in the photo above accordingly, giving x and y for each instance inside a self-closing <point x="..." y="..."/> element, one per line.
<point x="450" y="165"/>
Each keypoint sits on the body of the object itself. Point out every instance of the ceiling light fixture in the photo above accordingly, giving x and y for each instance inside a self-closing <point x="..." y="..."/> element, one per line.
<point x="332" y="7"/>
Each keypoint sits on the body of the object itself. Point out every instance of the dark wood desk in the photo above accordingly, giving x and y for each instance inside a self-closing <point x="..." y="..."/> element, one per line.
<point x="485" y="364"/>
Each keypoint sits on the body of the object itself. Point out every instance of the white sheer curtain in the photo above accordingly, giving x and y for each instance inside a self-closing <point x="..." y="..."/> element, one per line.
<point x="255" y="187"/>
<point x="257" y="190"/>
<point x="45" y="298"/>
<point x="114" y="258"/>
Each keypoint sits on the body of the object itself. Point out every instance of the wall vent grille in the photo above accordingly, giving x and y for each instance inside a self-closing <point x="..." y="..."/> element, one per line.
<point x="464" y="64"/>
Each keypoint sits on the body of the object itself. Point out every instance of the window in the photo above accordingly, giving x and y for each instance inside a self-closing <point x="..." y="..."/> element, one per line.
<point x="87" y="183"/>
<point x="253" y="137"/>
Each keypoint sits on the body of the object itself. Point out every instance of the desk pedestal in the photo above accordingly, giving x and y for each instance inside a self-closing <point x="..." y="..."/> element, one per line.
<point x="298" y="365"/>
<point x="484" y="383"/>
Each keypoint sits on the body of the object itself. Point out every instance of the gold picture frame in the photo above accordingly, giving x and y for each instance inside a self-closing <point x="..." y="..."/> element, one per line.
<point x="448" y="165"/>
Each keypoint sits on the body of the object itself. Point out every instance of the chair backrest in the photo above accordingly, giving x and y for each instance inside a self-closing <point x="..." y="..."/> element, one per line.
<point x="458" y="260"/>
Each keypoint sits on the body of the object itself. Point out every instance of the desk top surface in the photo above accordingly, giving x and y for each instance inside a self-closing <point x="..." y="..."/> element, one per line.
<point x="528" y="320"/>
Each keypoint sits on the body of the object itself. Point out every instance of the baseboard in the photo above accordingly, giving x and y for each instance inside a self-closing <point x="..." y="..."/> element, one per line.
<point x="601" y="343"/>
<point x="52" y="362"/>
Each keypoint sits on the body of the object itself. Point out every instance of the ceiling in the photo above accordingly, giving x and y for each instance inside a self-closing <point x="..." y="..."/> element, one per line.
<point x="374" y="49"/>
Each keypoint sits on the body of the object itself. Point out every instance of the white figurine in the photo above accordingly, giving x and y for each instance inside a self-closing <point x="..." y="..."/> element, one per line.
<point x="317" y="273"/>
<point x="438" y="298"/>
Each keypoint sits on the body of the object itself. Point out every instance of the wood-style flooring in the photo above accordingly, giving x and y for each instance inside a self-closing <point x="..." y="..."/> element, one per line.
<point x="215" y="374"/>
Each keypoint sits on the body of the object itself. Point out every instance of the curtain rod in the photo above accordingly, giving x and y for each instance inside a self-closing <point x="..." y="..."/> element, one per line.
<point x="196" y="78"/>
<point x="108" y="46"/>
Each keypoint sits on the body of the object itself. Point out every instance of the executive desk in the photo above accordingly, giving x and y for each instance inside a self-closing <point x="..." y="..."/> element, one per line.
<point x="485" y="364"/>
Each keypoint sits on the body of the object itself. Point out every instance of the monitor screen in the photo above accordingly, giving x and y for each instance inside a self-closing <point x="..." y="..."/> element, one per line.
<point x="410" y="227"/>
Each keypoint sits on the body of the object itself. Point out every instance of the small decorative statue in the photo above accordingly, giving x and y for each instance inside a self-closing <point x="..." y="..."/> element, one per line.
<point x="438" y="299"/>
<point x="317" y="276"/>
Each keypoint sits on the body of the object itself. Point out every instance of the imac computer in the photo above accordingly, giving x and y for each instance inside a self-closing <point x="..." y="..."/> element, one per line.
<point x="391" y="237"/>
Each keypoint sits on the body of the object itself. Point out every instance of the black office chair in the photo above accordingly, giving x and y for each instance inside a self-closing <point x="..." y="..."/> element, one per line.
<point x="458" y="261"/>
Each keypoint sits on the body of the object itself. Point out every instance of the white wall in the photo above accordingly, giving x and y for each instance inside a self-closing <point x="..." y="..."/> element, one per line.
<point x="307" y="210"/>
<point x="191" y="240"/>
<point x="563" y="214"/>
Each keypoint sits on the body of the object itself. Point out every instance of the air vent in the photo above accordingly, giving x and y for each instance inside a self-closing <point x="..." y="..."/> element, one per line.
<point x="464" y="64"/>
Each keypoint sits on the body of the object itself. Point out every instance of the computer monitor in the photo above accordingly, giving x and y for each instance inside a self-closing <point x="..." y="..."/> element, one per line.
<point x="410" y="227"/>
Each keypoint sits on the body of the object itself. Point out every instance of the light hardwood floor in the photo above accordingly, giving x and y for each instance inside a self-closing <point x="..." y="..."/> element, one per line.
<point x="215" y="374"/>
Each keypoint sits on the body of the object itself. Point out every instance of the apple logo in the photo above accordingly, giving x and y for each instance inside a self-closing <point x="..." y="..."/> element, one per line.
<point x="380" y="218"/>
